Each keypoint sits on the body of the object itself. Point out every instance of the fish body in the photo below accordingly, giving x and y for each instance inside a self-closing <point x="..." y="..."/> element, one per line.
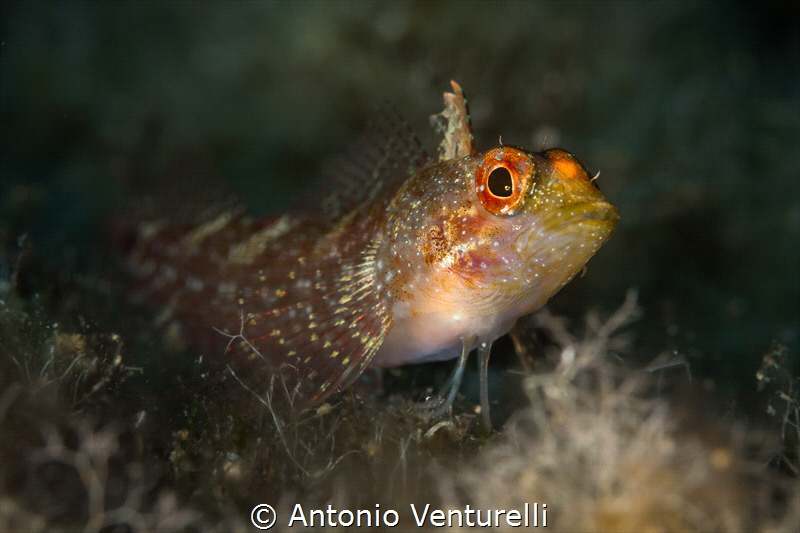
<point x="406" y="259"/>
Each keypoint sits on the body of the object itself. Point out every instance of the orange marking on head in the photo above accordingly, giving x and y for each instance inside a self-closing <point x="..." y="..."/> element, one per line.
<point x="568" y="169"/>
<point x="565" y="165"/>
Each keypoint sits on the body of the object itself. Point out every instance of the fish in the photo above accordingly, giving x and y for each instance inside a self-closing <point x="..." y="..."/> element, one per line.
<point x="395" y="257"/>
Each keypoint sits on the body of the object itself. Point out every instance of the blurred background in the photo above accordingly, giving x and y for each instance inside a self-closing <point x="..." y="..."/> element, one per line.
<point x="689" y="110"/>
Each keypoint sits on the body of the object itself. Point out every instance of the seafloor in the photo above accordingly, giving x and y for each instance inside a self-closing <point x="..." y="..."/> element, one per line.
<point x="680" y="409"/>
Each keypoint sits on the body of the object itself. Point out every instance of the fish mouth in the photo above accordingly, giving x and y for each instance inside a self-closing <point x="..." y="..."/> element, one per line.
<point x="592" y="221"/>
<point x="604" y="212"/>
<point x="590" y="213"/>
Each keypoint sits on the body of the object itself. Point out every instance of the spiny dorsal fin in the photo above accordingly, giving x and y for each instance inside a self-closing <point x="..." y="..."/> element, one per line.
<point x="455" y="124"/>
<point x="192" y="193"/>
<point x="184" y="193"/>
<point x="385" y="155"/>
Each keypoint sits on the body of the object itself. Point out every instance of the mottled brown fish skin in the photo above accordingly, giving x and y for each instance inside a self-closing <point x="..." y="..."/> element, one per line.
<point x="407" y="260"/>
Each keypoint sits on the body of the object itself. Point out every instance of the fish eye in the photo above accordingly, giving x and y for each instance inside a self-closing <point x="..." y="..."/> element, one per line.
<point x="503" y="180"/>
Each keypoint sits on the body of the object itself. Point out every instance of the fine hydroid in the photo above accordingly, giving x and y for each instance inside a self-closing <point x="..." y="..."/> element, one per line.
<point x="84" y="448"/>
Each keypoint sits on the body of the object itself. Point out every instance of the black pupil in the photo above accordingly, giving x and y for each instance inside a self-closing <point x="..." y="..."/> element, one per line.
<point x="500" y="183"/>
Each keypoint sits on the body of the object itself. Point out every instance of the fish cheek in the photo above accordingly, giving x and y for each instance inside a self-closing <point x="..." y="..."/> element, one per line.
<point x="434" y="245"/>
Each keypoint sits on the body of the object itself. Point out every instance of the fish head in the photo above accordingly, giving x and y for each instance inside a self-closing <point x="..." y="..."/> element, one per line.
<point x="550" y="217"/>
<point x="481" y="240"/>
<point x="537" y="219"/>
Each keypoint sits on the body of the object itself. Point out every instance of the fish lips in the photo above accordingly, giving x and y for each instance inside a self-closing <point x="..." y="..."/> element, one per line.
<point x="581" y="215"/>
<point x="592" y="221"/>
<point x="596" y="214"/>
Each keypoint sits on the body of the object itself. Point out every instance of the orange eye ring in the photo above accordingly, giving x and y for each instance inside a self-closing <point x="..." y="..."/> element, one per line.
<point x="504" y="179"/>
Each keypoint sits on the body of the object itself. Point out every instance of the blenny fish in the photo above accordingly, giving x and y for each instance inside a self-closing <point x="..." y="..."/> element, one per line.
<point x="402" y="259"/>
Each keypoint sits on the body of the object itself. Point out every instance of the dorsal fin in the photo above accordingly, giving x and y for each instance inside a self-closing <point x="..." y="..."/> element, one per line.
<point x="382" y="158"/>
<point x="184" y="192"/>
<point x="455" y="125"/>
<point x="192" y="193"/>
